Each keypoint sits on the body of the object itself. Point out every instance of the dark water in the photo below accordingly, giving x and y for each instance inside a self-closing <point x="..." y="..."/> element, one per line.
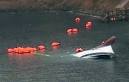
<point x="32" y="29"/>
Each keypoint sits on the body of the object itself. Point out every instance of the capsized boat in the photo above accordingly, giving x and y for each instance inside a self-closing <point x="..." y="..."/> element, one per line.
<point x="104" y="50"/>
<point x="100" y="52"/>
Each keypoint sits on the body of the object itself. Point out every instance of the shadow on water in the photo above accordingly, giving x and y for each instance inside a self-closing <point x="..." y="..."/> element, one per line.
<point x="32" y="29"/>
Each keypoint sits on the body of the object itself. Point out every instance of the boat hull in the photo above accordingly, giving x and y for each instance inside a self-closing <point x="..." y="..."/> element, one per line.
<point x="101" y="52"/>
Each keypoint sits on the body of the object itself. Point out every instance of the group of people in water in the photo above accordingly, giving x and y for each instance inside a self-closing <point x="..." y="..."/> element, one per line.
<point x="88" y="25"/>
<point x="56" y="44"/>
<point x="32" y="50"/>
<point x="71" y="31"/>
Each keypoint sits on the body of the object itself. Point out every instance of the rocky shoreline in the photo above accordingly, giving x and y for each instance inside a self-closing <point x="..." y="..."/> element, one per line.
<point x="59" y="4"/>
<point x="96" y="8"/>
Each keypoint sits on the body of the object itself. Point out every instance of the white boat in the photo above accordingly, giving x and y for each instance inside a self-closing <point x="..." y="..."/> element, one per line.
<point x="99" y="52"/>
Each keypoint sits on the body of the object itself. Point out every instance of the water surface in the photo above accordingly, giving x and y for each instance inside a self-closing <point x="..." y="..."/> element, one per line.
<point x="31" y="29"/>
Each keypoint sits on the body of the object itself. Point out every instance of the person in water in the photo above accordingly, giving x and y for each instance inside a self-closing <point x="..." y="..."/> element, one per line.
<point x="107" y="42"/>
<point x="110" y="41"/>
